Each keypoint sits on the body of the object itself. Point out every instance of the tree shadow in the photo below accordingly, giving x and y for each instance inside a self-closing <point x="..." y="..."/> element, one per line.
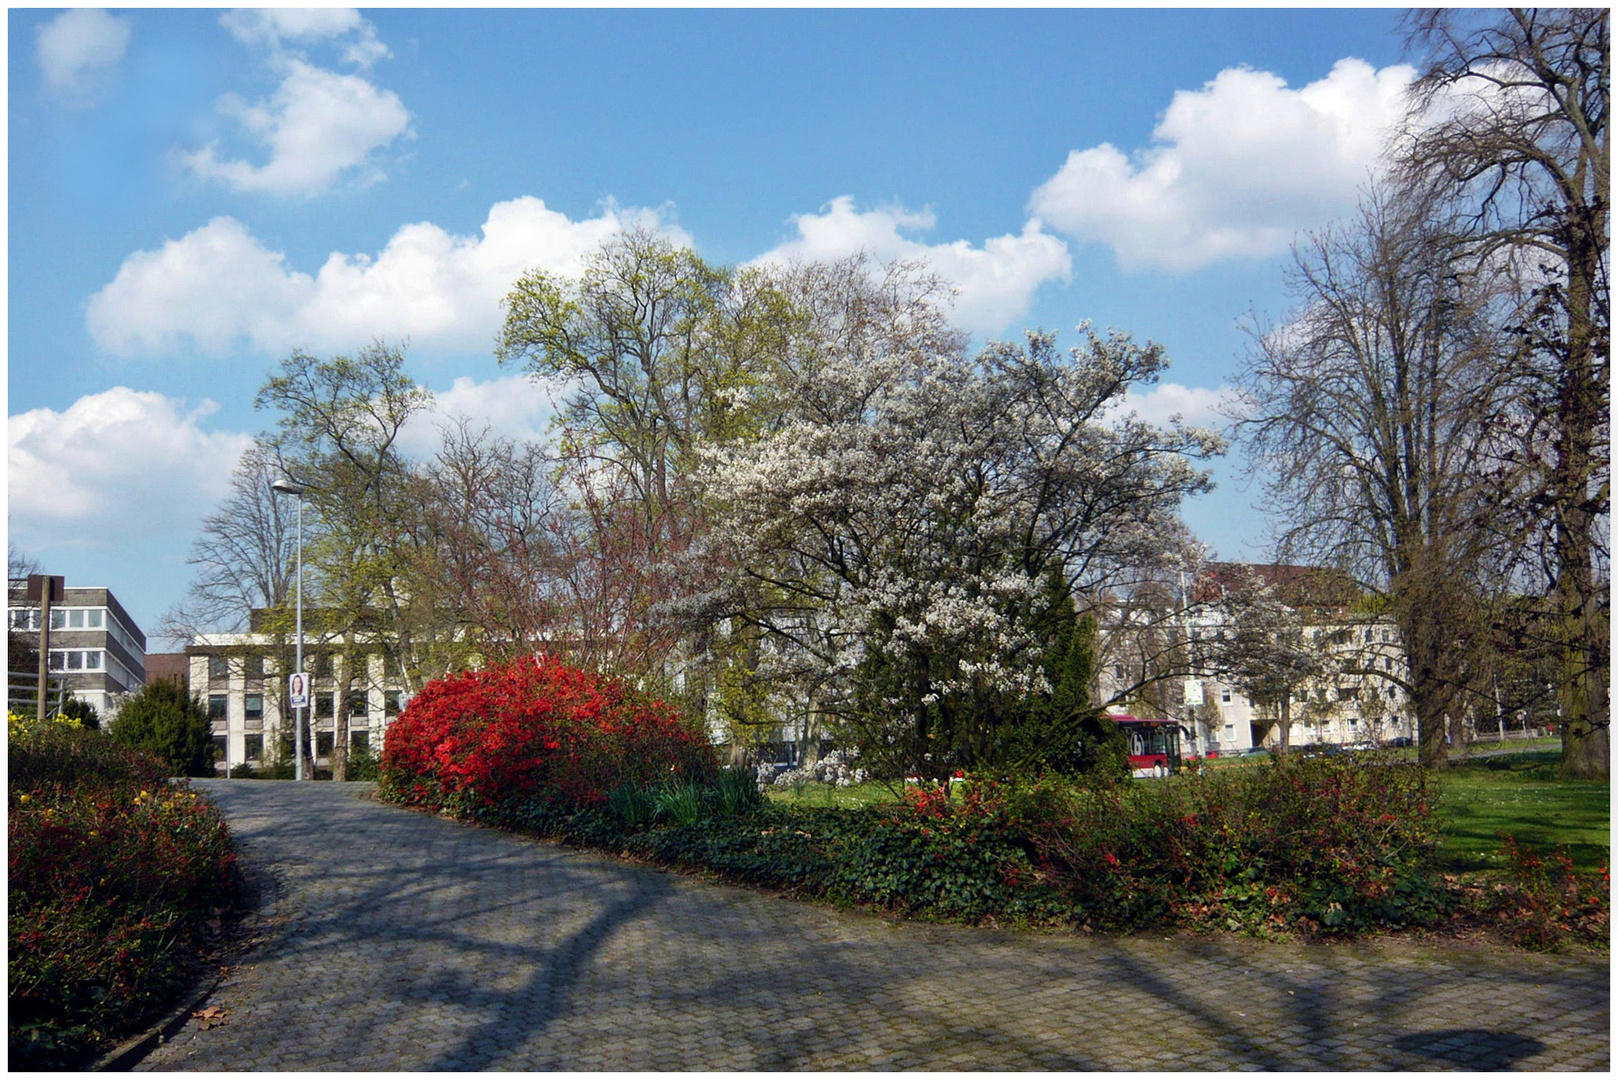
<point x="1470" y="1048"/>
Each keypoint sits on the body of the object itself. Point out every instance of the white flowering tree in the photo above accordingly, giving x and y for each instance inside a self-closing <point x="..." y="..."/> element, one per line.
<point x="895" y="539"/>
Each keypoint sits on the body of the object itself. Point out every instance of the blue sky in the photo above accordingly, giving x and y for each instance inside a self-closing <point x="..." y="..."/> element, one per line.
<point x="193" y="193"/>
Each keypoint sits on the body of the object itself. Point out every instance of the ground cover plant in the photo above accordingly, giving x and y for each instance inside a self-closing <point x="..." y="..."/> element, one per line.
<point x="114" y="876"/>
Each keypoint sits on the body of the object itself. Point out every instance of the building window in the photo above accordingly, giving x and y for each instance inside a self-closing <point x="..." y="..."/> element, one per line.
<point x="255" y="706"/>
<point x="217" y="704"/>
<point x="218" y="667"/>
<point x="1224" y="695"/>
<point x="255" y="748"/>
<point x="322" y="666"/>
<point x="322" y="743"/>
<point x="323" y="703"/>
<point x="77" y="660"/>
<point x="221" y="750"/>
<point x="359" y="741"/>
<point x="254" y="666"/>
<point x="358" y="702"/>
<point x="390" y="702"/>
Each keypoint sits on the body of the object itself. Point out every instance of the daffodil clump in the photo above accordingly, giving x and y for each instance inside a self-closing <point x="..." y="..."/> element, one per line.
<point x="19" y="724"/>
<point x="113" y="875"/>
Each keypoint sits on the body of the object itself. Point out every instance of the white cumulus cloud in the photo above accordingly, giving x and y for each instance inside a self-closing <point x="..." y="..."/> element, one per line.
<point x="317" y="126"/>
<point x="273" y="28"/>
<point x="119" y="463"/>
<point x="516" y="406"/>
<point x="996" y="281"/>
<point x="1237" y="169"/>
<point x="219" y="286"/>
<point x="78" y="49"/>
<point x="1197" y="406"/>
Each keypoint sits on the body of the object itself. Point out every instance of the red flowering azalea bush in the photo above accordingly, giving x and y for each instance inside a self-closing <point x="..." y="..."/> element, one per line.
<point x="535" y="729"/>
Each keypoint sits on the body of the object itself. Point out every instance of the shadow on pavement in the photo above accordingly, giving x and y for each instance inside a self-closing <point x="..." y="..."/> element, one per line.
<point x="1470" y="1048"/>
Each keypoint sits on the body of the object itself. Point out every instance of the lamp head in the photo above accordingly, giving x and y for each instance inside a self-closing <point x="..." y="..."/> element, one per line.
<point x="289" y="487"/>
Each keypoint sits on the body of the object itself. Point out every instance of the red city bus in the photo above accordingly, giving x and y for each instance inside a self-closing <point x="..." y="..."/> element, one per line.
<point x="1154" y="745"/>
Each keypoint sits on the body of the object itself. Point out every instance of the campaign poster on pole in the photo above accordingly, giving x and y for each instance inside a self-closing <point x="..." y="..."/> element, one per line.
<point x="298" y="690"/>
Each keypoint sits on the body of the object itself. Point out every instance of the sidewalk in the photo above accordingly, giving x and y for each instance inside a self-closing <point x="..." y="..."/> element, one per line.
<point x="398" y="941"/>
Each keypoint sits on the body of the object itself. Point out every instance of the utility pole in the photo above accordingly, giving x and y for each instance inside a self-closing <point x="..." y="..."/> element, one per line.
<point x="44" y="588"/>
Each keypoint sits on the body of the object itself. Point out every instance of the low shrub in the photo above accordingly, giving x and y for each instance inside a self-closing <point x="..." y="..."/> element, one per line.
<point x="113" y="874"/>
<point x="735" y="791"/>
<point x="634" y="806"/>
<point x="1329" y="844"/>
<point x="59" y="756"/>
<point x="535" y="728"/>
<point x="1547" y="903"/>
<point x="363" y="765"/>
<point x="960" y="862"/>
<point x="681" y="804"/>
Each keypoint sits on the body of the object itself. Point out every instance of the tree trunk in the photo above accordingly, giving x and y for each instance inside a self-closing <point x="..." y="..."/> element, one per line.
<point x="1286" y="723"/>
<point x="1582" y="406"/>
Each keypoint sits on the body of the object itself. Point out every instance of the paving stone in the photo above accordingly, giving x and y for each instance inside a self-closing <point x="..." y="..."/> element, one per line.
<point x="396" y="941"/>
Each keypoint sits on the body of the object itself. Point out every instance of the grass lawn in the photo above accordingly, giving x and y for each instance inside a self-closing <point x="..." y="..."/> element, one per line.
<point x="818" y="794"/>
<point x="1518" y="794"/>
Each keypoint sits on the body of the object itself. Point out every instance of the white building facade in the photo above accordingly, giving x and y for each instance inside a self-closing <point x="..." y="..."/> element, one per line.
<point x="242" y="680"/>
<point x="1361" y="702"/>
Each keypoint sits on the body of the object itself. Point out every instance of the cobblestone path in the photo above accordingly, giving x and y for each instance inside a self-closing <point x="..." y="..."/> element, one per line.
<point x="398" y="941"/>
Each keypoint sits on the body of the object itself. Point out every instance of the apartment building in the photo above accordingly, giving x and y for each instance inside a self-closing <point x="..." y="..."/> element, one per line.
<point x="96" y="649"/>
<point x="1358" y="702"/>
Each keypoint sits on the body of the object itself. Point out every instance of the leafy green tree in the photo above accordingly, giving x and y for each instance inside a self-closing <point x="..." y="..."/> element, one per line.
<point x="339" y="428"/>
<point x="164" y="721"/>
<point x="666" y="356"/>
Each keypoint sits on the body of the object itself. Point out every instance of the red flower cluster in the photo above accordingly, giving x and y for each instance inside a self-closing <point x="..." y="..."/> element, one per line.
<point x="535" y="727"/>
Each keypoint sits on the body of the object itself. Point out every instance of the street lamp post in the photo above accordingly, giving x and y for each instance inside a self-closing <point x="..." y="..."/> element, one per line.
<point x="291" y="487"/>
